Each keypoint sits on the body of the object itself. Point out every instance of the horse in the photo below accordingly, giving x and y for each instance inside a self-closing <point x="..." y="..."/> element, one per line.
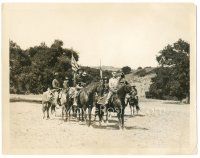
<point x="117" y="103"/>
<point x="133" y="103"/>
<point x="85" y="101"/>
<point x="47" y="102"/>
<point x="66" y="103"/>
<point x="99" y="100"/>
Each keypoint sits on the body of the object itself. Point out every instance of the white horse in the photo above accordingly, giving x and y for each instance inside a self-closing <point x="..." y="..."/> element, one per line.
<point x="47" y="101"/>
<point x="66" y="99"/>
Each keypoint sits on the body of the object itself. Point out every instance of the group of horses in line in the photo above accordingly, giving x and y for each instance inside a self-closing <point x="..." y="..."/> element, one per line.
<point x="88" y="99"/>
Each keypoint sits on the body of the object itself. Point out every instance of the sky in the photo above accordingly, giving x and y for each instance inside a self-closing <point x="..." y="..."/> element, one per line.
<point x="117" y="34"/>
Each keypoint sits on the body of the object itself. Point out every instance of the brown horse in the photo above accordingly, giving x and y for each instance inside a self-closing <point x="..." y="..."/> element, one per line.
<point x="86" y="101"/>
<point x="117" y="103"/>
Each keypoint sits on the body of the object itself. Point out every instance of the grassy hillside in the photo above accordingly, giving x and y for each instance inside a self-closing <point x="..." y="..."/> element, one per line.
<point x="142" y="79"/>
<point x="108" y="68"/>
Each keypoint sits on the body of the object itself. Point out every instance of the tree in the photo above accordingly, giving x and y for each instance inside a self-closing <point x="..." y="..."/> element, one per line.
<point x="173" y="75"/>
<point x="31" y="70"/>
<point x="126" y="69"/>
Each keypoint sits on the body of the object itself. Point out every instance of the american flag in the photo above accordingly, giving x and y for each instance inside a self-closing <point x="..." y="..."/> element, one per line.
<point x="74" y="64"/>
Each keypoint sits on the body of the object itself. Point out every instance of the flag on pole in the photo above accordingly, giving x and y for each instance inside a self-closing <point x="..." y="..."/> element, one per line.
<point x="101" y="72"/>
<point x="74" y="64"/>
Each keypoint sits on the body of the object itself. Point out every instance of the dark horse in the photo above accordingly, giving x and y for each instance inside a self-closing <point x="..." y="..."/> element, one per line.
<point x="85" y="101"/>
<point x="133" y="103"/>
<point x="117" y="103"/>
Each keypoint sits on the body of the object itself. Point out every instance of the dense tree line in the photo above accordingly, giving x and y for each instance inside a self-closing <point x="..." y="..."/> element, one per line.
<point x="31" y="70"/>
<point x="172" y="79"/>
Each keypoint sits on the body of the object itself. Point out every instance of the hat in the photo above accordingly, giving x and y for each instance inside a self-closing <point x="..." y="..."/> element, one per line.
<point x="114" y="73"/>
<point x="84" y="73"/>
<point x="56" y="73"/>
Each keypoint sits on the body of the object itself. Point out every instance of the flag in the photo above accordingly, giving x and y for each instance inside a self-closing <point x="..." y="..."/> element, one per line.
<point x="74" y="64"/>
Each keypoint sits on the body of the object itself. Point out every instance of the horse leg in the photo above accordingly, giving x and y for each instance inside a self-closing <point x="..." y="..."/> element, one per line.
<point x="119" y="119"/>
<point x="89" y="114"/>
<point x="43" y="109"/>
<point x="133" y="109"/>
<point x="137" y="108"/>
<point x="106" y="113"/>
<point x="100" y="114"/>
<point x="78" y="110"/>
<point x="63" y="112"/>
<point x="84" y="114"/>
<point x="122" y="117"/>
<point x="48" y="112"/>
<point x="74" y="111"/>
<point x="68" y="112"/>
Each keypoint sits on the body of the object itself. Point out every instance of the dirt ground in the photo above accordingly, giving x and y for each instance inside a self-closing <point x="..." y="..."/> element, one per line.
<point x="160" y="127"/>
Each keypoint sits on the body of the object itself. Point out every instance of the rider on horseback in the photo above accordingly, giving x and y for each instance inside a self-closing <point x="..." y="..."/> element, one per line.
<point x="105" y="85"/>
<point x="56" y="89"/>
<point x="113" y="85"/>
<point x="80" y="82"/>
<point x="66" y="84"/>
<point x="132" y="96"/>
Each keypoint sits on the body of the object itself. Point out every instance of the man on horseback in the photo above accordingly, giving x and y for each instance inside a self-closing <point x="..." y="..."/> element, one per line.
<point x="105" y="85"/>
<point x="80" y="82"/>
<point x="56" y="89"/>
<point x="66" y="84"/>
<point x="113" y="85"/>
<point x="132" y="99"/>
<point x="134" y="91"/>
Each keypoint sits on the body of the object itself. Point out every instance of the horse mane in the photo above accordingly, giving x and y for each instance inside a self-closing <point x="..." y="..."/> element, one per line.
<point x="91" y="87"/>
<point x="121" y="90"/>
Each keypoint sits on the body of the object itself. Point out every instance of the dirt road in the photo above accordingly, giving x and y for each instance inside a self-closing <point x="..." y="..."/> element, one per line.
<point x="160" y="127"/>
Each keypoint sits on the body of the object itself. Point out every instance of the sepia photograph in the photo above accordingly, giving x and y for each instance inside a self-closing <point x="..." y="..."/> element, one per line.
<point x="99" y="78"/>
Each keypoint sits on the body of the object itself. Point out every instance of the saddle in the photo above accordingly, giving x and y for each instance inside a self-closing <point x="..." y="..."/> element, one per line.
<point x="102" y="100"/>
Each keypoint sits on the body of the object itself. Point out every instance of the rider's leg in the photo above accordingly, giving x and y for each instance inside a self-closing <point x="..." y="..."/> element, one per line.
<point x="56" y="99"/>
<point x="75" y="98"/>
<point x="110" y="93"/>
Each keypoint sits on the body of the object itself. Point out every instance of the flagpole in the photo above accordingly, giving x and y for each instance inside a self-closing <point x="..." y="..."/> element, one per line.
<point x="101" y="73"/>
